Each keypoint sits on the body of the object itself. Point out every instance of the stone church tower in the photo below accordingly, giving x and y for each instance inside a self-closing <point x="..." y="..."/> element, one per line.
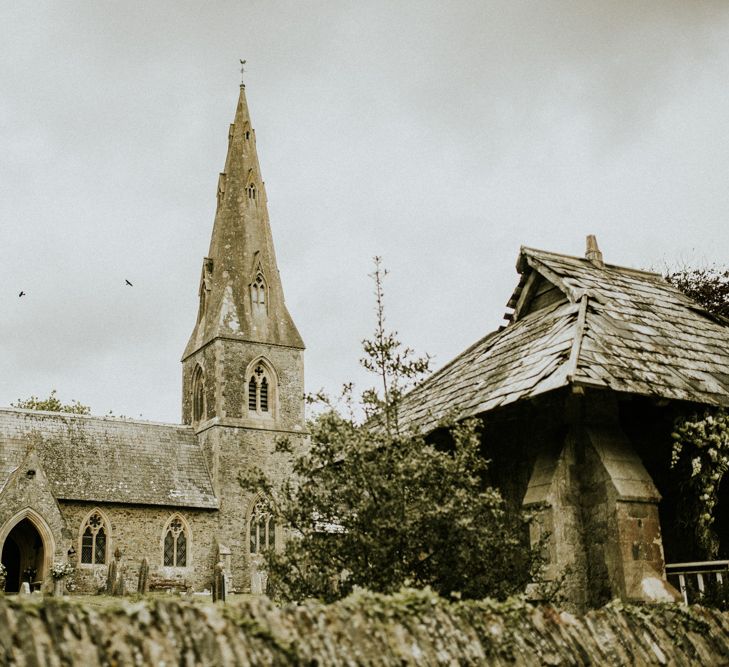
<point x="243" y="367"/>
<point x="91" y="490"/>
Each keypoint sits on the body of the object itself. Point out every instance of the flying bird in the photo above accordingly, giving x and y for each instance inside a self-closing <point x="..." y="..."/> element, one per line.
<point x="21" y="293"/>
<point x="128" y="283"/>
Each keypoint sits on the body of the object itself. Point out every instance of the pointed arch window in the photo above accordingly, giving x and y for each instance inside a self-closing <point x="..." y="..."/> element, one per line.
<point x="258" y="294"/>
<point x="94" y="540"/>
<point x="251" y="190"/>
<point x="176" y="543"/>
<point x="203" y="303"/>
<point x="198" y="395"/>
<point x="261" y="527"/>
<point x="260" y="391"/>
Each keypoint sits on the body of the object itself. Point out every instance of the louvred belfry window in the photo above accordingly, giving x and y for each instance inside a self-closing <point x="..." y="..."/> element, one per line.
<point x="263" y="394"/>
<point x="93" y="540"/>
<point x="259" y="392"/>
<point x="175" y="544"/>
<point x="252" y="395"/>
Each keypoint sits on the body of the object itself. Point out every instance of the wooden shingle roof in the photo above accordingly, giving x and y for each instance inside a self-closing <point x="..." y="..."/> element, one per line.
<point x="103" y="459"/>
<point x="596" y="325"/>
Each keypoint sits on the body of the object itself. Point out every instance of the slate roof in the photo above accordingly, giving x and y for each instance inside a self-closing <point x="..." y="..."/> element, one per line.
<point x="104" y="459"/>
<point x="612" y="327"/>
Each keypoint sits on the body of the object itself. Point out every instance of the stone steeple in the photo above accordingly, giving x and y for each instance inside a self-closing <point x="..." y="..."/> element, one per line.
<point x="243" y="368"/>
<point x="241" y="296"/>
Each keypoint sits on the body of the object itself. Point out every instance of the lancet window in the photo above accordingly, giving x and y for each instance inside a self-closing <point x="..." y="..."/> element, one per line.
<point x="176" y="542"/>
<point x="203" y="303"/>
<point x="198" y="395"/>
<point x="258" y="294"/>
<point x="262" y="527"/>
<point x="251" y="189"/>
<point x="260" y="391"/>
<point x="94" y="540"/>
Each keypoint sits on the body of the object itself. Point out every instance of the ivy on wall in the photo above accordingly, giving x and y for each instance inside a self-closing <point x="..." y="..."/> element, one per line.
<point x="699" y="460"/>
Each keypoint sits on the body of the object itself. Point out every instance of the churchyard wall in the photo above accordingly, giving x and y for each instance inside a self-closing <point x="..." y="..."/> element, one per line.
<point x="411" y="628"/>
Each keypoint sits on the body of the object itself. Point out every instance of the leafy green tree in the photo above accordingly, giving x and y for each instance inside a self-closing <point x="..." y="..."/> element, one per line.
<point x="700" y="453"/>
<point x="375" y="505"/>
<point x="699" y="462"/>
<point x="709" y="286"/>
<point x="52" y="404"/>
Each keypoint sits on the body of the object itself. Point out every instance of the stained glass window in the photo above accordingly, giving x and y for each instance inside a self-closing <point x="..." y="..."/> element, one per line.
<point x="87" y="546"/>
<point x="169" y="558"/>
<point x="100" y="547"/>
<point x="93" y="540"/>
<point x="181" y="556"/>
<point x="175" y="544"/>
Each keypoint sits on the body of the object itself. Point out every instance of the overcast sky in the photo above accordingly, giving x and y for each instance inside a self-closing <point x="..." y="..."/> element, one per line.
<point x="440" y="135"/>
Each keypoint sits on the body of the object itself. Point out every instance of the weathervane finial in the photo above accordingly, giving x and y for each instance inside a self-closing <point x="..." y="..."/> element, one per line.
<point x="242" y="71"/>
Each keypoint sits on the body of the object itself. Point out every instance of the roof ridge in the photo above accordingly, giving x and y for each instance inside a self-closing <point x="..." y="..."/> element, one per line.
<point x="627" y="269"/>
<point x="559" y="282"/>
<point x="580" y="324"/>
<point x="108" y="418"/>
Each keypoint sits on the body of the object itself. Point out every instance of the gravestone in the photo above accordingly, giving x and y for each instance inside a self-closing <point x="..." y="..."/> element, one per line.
<point x="219" y="582"/>
<point x="115" y="583"/>
<point x="143" y="580"/>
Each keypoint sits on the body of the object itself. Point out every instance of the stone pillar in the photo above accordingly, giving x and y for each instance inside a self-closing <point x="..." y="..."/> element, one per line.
<point x="599" y="506"/>
<point x="622" y="529"/>
<point x="553" y="498"/>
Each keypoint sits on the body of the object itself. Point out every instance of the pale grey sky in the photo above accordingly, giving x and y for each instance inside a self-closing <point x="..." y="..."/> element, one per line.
<point x="440" y="135"/>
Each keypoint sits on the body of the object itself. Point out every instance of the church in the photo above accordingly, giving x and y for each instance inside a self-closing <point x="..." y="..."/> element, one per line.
<point x="87" y="490"/>
<point x="576" y="397"/>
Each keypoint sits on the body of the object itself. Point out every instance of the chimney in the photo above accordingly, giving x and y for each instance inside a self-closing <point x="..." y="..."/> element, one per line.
<point x="593" y="252"/>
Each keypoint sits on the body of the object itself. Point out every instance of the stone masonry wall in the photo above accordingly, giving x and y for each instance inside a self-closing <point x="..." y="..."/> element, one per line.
<point x="27" y="495"/>
<point x="138" y="532"/>
<point x="206" y="359"/>
<point x="224" y="364"/>
<point x="597" y="503"/>
<point x="239" y="450"/>
<point x="235" y="443"/>
<point x="411" y="628"/>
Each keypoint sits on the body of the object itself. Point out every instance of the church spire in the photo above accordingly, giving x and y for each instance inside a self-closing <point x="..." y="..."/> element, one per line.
<point x="240" y="288"/>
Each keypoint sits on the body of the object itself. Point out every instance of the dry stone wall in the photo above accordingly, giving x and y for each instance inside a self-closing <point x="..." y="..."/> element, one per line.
<point x="411" y="628"/>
